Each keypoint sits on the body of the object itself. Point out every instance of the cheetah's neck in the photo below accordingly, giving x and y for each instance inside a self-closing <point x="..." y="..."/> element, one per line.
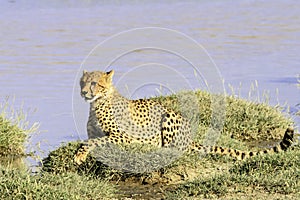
<point x="112" y="98"/>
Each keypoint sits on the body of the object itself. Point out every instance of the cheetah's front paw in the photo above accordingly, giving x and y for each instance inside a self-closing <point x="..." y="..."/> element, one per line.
<point x="81" y="156"/>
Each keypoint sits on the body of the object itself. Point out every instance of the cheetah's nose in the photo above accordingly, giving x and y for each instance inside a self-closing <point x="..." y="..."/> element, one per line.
<point x="83" y="93"/>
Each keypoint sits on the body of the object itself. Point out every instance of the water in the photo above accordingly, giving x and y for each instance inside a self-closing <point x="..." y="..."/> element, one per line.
<point x="43" y="44"/>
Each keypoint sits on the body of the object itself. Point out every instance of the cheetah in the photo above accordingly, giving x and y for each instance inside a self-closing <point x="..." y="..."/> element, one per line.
<point x="118" y="120"/>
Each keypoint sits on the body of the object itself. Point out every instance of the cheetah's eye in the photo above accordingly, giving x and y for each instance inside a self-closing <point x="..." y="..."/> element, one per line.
<point x="93" y="83"/>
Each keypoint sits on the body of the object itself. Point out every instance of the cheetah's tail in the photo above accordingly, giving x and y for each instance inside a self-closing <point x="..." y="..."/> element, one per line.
<point x="241" y="155"/>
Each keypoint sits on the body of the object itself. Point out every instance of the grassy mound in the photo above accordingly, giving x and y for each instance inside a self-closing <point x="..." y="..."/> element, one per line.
<point x="273" y="176"/>
<point x="211" y="176"/>
<point x="244" y="120"/>
<point x="61" y="161"/>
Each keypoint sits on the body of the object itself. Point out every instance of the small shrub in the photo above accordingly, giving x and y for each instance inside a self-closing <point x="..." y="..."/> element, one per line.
<point x="14" y="131"/>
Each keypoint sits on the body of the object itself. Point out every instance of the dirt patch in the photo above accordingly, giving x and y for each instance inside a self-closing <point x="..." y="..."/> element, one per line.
<point x="157" y="184"/>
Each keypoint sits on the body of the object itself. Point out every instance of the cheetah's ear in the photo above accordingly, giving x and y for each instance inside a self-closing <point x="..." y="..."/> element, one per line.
<point x="84" y="71"/>
<point x="110" y="74"/>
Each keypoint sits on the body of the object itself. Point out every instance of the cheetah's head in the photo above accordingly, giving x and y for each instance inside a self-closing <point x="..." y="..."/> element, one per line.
<point x="95" y="84"/>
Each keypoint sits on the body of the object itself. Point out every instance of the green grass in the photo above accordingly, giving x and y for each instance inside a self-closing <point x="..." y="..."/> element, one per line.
<point x="14" y="130"/>
<point x="12" y="138"/>
<point x="16" y="184"/>
<point x="244" y="120"/>
<point x="275" y="175"/>
<point x="266" y="177"/>
<point x="212" y="176"/>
